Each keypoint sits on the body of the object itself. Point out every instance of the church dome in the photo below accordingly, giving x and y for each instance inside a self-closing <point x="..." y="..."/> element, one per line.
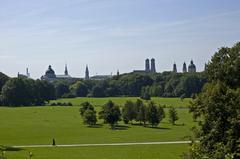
<point x="50" y="72"/>
<point x="192" y="65"/>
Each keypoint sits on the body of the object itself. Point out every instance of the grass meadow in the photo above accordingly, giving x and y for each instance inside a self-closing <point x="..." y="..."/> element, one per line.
<point x="176" y="102"/>
<point x="39" y="125"/>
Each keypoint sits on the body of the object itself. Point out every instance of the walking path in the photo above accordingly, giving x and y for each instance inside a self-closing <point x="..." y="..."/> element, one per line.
<point x="111" y="144"/>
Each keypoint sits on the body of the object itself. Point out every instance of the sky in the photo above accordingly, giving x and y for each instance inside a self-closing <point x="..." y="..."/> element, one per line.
<point x="111" y="35"/>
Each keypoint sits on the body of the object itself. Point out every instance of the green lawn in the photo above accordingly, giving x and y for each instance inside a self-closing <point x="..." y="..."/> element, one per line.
<point x="116" y="152"/>
<point x="38" y="125"/>
<point x="177" y="102"/>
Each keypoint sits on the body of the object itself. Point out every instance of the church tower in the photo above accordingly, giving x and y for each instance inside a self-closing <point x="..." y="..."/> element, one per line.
<point x="87" y="73"/>
<point x="66" y="71"/>
<point x="192" y="67"/>
<point x="153" y="68"/>
<point x="147" y="65"/>
<point x="118" y="73"/>
<point x="184" y="68"/>
<point x="174" y="68"/>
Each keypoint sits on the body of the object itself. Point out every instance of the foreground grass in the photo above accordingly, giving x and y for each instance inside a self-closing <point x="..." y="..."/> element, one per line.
<point x="176" y="102"/>
<point x="39" y="125"/>
<point x="115" y="152"/>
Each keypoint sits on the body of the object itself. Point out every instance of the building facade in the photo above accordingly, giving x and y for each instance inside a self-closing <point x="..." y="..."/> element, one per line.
<point x="51" y="76"/>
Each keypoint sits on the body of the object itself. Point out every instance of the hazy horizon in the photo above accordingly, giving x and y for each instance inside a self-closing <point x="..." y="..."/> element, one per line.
<point x="111" y="35"/>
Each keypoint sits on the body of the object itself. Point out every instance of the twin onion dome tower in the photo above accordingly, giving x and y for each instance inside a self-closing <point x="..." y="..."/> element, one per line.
<point x="147" y="66"/>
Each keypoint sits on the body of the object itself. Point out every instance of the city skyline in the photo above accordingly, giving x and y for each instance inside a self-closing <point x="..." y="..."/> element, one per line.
<point x="147" y="69"/>
<point x="111" y="35"/>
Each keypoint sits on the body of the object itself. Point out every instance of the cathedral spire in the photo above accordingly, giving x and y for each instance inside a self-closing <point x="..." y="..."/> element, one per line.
<point x="66" y="70"/>
<point x="174" y="68"/>
<point x="184" y="67"/>
<point x="87" y="73"/>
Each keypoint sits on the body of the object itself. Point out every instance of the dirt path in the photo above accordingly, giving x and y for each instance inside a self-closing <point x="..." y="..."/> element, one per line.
<point x="111" y="144"/>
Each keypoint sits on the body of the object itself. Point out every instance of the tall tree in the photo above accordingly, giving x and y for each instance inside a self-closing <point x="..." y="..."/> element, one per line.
<point x="218" y="108"/>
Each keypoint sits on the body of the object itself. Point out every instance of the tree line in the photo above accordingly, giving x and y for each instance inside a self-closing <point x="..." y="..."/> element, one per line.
<point x="111" y="114"/>
<point x="22" y="91"/>
<point x="166" y="84"/>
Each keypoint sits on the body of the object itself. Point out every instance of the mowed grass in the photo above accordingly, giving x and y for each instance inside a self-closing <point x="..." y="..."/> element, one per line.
<point x="106" y="152"/>
<point x="176" y="102"/>
<point x="39" y="125"/>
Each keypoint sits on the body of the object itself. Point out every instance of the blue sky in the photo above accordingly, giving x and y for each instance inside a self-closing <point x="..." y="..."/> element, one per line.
<point x="113" y="34"/>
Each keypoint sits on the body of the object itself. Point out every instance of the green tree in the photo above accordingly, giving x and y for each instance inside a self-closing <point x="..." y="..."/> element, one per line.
<point x="218" y="108"/>
<point x="98" y="91"/>
<point x="17" y="92"/>
<point x="225" y="66"/>
<point x="61" y="89"/>
<point x="145" y="93"/>
<point x="153" y="114"/>
<point x="129" y="112"/>
<point x="85" y="106"/>
<point x="142" y="114"/>
<point x="3" y="79"/>
<point x="89" y="117"/>
<point x="111" y="114"/>
<point x="79" y="89"/>
<point x="161" y="113"/>
<point x="173" y="116"/>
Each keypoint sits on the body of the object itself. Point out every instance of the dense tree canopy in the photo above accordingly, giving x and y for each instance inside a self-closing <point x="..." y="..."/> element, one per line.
<point x="166" y="84"/>
<point x="26" y="92"/>
<point x="3" y="79"/>
<point x="218" y="108"/>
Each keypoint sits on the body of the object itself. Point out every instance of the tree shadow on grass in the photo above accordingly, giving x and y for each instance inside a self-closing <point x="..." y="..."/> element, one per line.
<point x="159" y="128"/>
<point x="9" y="148"/>
<point x="121" y="127"/>
<point x="96" y="126"/>
<point x="179" y="124"/>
